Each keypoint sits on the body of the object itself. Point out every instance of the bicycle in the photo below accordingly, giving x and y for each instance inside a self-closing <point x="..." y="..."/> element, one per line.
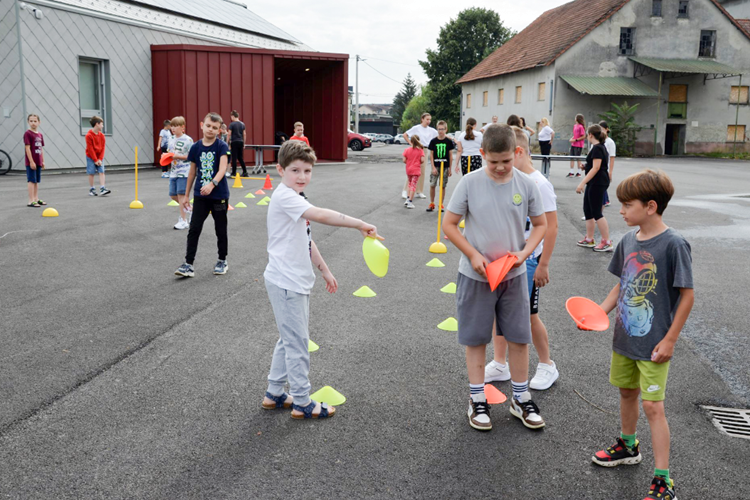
<point x="5" y="162"/>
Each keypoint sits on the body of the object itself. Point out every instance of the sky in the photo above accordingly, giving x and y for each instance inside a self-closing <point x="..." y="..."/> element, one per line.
<point x="391" y="36"/>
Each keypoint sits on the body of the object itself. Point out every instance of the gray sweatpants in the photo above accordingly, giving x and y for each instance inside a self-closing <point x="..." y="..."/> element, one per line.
<point x="291" y="359"/>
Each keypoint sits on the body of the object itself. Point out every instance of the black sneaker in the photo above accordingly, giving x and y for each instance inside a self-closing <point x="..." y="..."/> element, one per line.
<point x="618" y="454"/>
<point x="660" y="490"/>
<point x="570" y="174"/>
<point x="185" y="270"/>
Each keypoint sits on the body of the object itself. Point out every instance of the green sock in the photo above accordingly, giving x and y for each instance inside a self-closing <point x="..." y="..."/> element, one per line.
<point x="662" y="473"/>
<point x="629" y="439"/>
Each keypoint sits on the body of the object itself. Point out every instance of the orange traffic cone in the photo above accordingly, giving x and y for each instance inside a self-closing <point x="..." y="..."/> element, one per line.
<point x="230" y="207"/>
<point x="268" y="184"/>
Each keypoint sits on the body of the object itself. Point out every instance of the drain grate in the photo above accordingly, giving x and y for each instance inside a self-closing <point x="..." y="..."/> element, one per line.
<point x="734" y="422"/>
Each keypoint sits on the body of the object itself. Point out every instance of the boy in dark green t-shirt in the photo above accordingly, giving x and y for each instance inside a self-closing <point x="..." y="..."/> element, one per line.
<point x="440" y="147"/>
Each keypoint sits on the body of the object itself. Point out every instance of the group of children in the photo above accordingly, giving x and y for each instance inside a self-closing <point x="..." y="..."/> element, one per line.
<point x="33" y="141"/>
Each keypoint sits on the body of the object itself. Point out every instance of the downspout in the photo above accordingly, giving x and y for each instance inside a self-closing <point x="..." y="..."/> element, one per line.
<point x="658" y="114"/>
<point x="20" y="60"/>
<point x="737" y="118"/>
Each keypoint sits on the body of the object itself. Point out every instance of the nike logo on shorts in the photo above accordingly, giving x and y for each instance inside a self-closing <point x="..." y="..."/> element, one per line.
<point x="653" y="388"/>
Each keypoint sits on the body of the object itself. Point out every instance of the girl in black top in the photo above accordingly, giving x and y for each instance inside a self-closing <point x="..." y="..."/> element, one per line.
<point x="595" y="184"/>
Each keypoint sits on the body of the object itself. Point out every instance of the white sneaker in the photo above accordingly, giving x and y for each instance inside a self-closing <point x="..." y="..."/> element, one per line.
<point x="525" y="409"/>
<point x="545" y="376"/>
<point x="421" y="196"/>
<point x="185" y="224"/>
<point x="403" y="194"/>
<point x="409" y="204"/>
<point x="180" y="224"/>
<point x="583" y="218"/>
<point x="479" y="413"/>
<point x="495" y="372"/>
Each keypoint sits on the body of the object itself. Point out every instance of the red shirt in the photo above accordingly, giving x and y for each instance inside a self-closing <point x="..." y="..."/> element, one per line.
<point x="303" y="139"/>
<point x="95" y="145"/>
<point x="413" y="160"/>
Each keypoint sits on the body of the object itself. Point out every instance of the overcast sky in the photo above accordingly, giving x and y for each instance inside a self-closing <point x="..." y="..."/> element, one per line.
<point x="391" y="35"/>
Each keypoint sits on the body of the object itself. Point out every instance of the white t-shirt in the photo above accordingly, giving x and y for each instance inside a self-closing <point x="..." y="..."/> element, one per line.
<point x="549" y="201"/>
<point x="609" y="144"/>
<point x="289" y="242"/>
<point x="180" y="146"/>
<point x="425" y="134"/>
<point x="485" y="127"/>
<point x="165" y="136"/>
<point x="470" y="148"/>
<point x="546" y="133"/>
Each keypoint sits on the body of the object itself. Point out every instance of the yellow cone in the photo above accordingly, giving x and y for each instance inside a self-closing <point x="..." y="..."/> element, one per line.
<point x="312" y="346"/>
<point x="136" y="204"/>
<point x="449" y="288"/>
<point x="438" y="247"/>
<point x="262" y="202"/>
<point x="50" y="212"/>
<point x="267" y="199"/>
<point x="240" y="205"/>
<point x="449" y="325"/>
<point x="173" y="204"/>
<point x="328" y="395"/>
<point x="249" y="195"/>
<point x="364" y="291"/>
<point x="435" y="263"/>
<point x="462" y="224"/>
<point x="237" y="181"/>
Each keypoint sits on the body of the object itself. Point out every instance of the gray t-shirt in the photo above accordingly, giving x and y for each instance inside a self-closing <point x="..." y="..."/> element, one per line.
<point x="651" y="273"/>
<point x="495" y="216"/>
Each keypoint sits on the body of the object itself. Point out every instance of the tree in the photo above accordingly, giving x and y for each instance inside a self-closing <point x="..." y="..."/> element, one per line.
<point x="402" y="99"/>
<point x="463" y="43"/>
<point x="413" y="112"/>
<point x="622" y="127"/>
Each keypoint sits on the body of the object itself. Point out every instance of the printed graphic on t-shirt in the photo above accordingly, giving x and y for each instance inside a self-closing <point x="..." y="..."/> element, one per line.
<point x="309" y="237"/>
<point x="207" y="167"/>
<point x="637" y="284"/>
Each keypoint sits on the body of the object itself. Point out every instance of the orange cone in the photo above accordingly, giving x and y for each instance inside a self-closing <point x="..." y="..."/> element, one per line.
<point x="498" y="269"/>
<point x="230" y="207"/>
<point x="268" y="184"/>
<point x="260" y="191"/>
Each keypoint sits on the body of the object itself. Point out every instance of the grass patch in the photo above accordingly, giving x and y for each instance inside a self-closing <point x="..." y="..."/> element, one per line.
<point x="719" y="154"/>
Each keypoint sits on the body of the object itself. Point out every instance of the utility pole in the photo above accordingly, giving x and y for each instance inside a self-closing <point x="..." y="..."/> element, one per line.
<point x="356" y="97"/>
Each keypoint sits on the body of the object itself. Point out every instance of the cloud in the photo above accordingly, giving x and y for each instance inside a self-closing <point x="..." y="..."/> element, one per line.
<point x="391" y="36"/>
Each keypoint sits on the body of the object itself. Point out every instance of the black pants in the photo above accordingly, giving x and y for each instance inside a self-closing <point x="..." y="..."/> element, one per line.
<point x="593" y="199"/>
<point x="238" y="153"/>
<point x="545" y="146"/>
<point x="164" y="168"/>
<point x="218" y="210"/>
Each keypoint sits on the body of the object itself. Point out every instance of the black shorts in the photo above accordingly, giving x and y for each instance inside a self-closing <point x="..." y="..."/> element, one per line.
<point x="476" y="163"/>
<point x="575" y="150"/>
<point x="593" y="200"/>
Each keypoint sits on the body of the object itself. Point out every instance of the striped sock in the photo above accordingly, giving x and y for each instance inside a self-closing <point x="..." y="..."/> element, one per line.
<point x="476" y="389"/>
<point x="519" y="388"/>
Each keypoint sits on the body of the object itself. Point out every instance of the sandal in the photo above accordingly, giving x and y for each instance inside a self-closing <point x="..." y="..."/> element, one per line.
<point x="32" y="204"/>
<point x="40" y="202"/>
<point x="307" y="411"/>
<point x="278" y="401"/>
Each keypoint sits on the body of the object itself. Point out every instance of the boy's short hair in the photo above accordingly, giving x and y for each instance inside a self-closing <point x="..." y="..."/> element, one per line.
<point x="32" y="114"/>
<point x="177" y="121"/>
<point x="235" y="113"/>
<point x="167" y="122"/>
<point x="296" y="150"/>
<point x="442" y="122"/>
<point x="604" y="125"/>
<point x="521" y="139"/>
<point x="300" y="124"/>
<point x="498" y="139"/>
<point x="95" y="119"/>
<point x="214" y="117"/>
<point x="645" y="186"/>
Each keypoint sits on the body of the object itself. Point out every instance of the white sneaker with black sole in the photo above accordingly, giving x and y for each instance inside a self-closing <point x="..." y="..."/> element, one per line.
<point x="526" y="410"/>
<point x="545" y="376"/>
<point x="495" y="372"/>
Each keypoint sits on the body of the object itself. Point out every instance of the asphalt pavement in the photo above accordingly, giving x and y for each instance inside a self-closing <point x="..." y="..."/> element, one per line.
<point x="119" y="380"/>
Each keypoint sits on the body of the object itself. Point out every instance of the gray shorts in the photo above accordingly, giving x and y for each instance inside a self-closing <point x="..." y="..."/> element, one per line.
<point x="479" y="308"/>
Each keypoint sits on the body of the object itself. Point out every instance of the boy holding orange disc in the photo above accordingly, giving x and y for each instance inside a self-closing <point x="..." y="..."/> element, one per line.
<point x="653" y="300"/>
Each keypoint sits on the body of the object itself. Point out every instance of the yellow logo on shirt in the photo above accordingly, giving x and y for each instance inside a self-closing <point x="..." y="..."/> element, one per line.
<point x="517" y="199"/>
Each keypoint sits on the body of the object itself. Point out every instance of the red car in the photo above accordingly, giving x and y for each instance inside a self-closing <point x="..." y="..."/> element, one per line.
<point x="358" y="142"/>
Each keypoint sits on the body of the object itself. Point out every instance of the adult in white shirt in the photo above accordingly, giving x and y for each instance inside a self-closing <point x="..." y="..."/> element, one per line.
<point x="468" y="144"/>
<point x="425" y="134"/>
<point x="546" y="136"/>
<point x="493" y="122"/>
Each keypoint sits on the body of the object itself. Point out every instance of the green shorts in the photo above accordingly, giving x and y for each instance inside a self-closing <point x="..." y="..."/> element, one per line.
<point x="649" y="377"/>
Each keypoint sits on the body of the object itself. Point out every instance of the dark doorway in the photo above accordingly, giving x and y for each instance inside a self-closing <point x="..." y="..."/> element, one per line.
<point x="674" y="142"/>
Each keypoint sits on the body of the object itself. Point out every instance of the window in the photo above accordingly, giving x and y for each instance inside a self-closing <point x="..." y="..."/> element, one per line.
<point x="94" y="93"/>
<point x="627" y="41"/>
<point x="677" y="106"/>
<point x="500" y="96"/>
<point x="518" y="94"/>
<point x="738" y="95"/>
<point x="736" y="134"/>
<point x="708" y="44"/>
<point x="485" y="98"/>
<point x="468" y="101"/>
<point x="656" y="8"/>
<point x="541" y="91"/>
<point x="682" y="10"/>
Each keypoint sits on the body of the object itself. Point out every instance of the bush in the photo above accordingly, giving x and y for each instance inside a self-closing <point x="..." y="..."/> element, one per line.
<point x="622" y="127"/>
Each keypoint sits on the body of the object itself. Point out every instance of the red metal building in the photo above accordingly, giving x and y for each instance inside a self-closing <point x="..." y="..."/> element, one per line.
<point x="270" y="89"/>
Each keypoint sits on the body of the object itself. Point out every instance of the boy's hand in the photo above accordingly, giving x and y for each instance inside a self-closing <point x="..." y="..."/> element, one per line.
<point x="42" y="166"/>
<point x="449" y="172"/>
<point x="663" y="351"/>
<point x="32" y="165"/>
<point x="206" y="190"/>
<point x="186" y="204"/>
<point x="331" y="284"/>
<point x="520" y="258"/>
<point x="370" y="231"/>
<point x="541" y="275"/>
<point x="580" y="188"/>
<point x="434" y="171"/>
<point x="479" y="263"/>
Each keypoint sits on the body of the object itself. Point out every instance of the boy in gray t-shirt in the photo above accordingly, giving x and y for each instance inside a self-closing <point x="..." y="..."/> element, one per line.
<point x="496" y="201"/>
<point x="653" y="300"/>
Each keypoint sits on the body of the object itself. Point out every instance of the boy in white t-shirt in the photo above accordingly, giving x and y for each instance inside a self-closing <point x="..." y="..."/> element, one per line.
<point x="289" y="279"/>
<point x="611" y="148"/>
<point x="180" y="145"/>
<point x="537" y="274"/>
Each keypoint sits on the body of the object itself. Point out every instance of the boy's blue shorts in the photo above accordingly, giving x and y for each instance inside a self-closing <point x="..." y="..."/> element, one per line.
<point x="177" y="185"/>
<point x="92" y="168"/>
<point x="34" y="176"/>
